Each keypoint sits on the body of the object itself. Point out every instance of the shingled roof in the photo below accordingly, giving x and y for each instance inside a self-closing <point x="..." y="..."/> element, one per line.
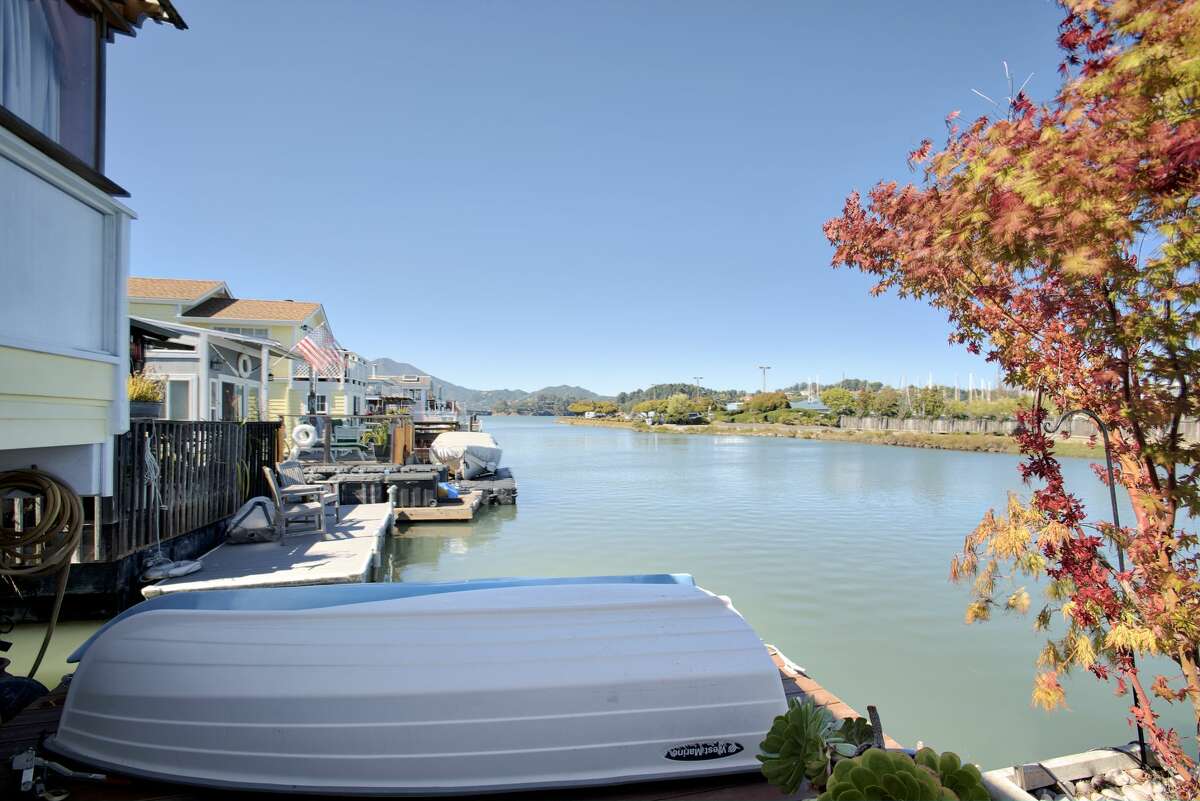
<point x="183" y="289"/>
<point x="291" y="311"/>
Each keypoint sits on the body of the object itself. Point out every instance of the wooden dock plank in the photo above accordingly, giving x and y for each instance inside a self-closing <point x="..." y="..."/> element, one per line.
<point x="346" y="554"/>
<point x="443" y="511"/>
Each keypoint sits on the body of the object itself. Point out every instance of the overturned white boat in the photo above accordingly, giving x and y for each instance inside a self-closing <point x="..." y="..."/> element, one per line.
<point x="409" y="689"/>
<point x="468" y="454"/>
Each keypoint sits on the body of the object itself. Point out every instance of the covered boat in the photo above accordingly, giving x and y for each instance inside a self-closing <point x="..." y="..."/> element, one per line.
<point x="420" y="689"/>
<point x="468" y="454"/>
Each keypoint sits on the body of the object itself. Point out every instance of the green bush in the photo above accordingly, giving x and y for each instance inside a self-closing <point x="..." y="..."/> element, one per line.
<point x="767" y="402"/>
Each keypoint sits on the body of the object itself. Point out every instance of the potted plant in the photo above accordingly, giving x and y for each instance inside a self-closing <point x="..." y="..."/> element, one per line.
<point x="847" y="760"/>
<point x="145" y="395"/>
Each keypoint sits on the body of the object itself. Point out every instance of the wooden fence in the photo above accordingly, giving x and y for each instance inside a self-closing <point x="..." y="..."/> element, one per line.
<point x="171" y="478"/>
<point x="1078" y="426"/>
<point x="945" y="425"/>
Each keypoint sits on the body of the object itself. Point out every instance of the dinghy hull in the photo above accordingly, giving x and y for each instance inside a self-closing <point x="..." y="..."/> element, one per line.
<point x="467" y="454"/>
<point x="488" y="687"/>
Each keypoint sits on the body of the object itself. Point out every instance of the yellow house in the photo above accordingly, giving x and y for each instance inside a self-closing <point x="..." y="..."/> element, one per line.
<point x="210" y="304"/>
<point x="64" y="241"/>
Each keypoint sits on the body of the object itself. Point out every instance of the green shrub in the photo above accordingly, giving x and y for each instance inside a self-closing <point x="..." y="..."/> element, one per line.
<point x="767" y="402"/>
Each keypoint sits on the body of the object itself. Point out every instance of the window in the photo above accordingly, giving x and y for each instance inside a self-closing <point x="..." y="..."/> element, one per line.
<point x="228" y="401"/>
<point x="179" y="399"/>
<point x="321" y="404"/>
<point x="357" y="406"/>
<point x="261" y="333"/>
<point x="51" y="74"/>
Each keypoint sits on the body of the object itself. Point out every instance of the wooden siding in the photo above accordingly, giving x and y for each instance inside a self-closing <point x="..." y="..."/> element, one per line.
<point x="49" y="400"/>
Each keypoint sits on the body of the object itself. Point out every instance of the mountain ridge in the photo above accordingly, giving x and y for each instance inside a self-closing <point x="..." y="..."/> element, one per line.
<point x="480" y="398"/>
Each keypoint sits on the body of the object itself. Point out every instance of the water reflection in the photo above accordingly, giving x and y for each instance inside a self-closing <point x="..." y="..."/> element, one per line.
<point x="836" y="552"/>
<point x="425" y="543"/>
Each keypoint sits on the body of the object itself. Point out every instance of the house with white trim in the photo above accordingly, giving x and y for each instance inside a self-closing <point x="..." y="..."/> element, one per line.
<point x="64" y="239"/>
<point x="205" y="374"/>
<point x="209" y="305"/>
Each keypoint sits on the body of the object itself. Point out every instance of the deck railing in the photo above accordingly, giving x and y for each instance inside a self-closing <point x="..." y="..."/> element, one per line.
<point x="171" y="478"/>
<point x="386" y="437"/>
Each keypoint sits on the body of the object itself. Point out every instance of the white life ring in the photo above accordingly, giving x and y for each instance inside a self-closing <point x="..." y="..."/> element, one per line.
<point x="244" y="366"/>
<point x="304" y="435"/>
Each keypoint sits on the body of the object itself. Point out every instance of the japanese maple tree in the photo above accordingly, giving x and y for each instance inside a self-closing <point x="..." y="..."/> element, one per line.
<point x="1063" y="241"/>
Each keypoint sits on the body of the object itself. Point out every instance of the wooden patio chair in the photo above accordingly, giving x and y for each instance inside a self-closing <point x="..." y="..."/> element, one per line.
<point x="292" y="505"/>
<point x="291" y="477"/>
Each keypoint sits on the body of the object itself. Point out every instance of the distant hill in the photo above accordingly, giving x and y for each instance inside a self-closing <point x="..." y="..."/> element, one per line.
<point x="480" y="398"/>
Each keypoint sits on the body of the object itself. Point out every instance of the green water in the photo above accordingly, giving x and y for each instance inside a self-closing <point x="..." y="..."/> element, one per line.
<point x="837" y="553"/>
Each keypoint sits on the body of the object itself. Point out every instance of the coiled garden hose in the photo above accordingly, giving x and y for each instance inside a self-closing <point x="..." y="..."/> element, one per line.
<point x="53" y="539"/>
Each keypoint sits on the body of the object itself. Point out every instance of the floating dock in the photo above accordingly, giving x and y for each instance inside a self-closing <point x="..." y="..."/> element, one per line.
<point x="462" y="509"/>
<point x="347" y="553"/>
<point x="499" y="489"/>
<point x="41" y="718"/>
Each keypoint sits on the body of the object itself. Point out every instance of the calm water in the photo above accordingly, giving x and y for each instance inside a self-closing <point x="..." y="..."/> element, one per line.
<point x="837" y="553"/>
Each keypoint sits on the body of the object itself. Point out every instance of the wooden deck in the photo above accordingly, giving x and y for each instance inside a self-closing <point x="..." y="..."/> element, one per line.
<point x="463" y="509"/>
<point x="346" y="554"/>
<point x="41" y="719"/>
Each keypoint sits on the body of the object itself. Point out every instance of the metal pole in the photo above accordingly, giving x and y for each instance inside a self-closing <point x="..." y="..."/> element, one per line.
<point x="1112" y="496"/>
<point x="764" y="369"/>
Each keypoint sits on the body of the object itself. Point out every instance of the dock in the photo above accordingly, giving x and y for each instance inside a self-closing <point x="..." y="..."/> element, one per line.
<point x="41" y="719"/>
<point x="347" y="553"/>
<point x="463" y="508"/>
<point x="499" y="489"/>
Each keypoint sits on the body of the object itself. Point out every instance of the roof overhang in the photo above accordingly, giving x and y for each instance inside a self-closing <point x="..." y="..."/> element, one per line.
<point x="178" y="329"/>
<point x="162" y="336"/>
<point x="126" y="16"/>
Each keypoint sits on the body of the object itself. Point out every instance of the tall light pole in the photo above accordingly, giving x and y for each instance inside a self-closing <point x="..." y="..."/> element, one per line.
<point x="764" y="369"/>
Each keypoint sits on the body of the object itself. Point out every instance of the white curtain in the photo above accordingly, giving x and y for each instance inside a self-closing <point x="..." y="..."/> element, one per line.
<point x="29" y="79"/>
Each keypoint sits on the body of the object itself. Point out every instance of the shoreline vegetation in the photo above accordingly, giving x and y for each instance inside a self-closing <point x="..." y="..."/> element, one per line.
<point x="977" y="443"/>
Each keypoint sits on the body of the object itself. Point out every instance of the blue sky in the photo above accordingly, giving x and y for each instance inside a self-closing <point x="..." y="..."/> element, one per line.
<point x="516" y="194"/>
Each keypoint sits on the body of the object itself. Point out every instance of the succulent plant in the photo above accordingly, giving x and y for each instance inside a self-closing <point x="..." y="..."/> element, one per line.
<point x="854" y="733"/>
<point x="894" y="776"/>
<point x="964" y="780"/>
<point x="801" y="742"/>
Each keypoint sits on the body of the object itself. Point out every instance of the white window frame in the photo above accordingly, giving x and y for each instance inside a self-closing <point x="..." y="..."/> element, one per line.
<point x="190" y="380"/>
<point x="239" y="395"/>
<point x="214" y="399"/>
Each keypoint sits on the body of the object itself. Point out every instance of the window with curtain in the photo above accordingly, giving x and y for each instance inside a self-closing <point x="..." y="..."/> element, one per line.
<point x="49" y="71"/>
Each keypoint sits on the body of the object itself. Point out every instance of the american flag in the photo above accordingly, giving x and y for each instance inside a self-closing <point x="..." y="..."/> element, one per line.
<point x="321" y="350"/>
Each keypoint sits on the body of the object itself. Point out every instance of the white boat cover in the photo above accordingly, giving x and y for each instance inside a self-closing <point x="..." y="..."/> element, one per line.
<point x="467" y="453"/>
<point x="478" y="687"/>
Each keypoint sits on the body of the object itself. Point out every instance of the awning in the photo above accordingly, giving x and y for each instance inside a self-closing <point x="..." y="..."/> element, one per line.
<point x="176" y="330"/>
<point x="162" y="336"/>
